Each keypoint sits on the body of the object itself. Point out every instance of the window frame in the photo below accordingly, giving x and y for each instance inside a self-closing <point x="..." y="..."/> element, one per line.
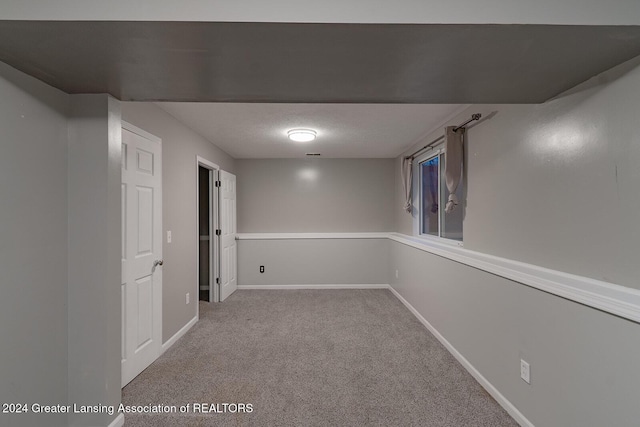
<point x="435" y="151"/>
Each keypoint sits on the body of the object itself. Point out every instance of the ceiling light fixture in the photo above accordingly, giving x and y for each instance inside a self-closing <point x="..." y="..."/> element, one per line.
<point x="302" y="135"/>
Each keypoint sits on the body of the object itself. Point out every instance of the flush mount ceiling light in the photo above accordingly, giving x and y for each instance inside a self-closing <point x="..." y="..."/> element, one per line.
<point x="302" y="135"/>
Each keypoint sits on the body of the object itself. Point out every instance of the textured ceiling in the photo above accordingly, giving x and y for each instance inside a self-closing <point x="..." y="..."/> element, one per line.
<point x="344" y="130"/>
<point x="315" y="63"/>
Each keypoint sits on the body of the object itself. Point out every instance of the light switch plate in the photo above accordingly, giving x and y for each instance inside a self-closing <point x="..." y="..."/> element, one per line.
<point x="525" y="371"/>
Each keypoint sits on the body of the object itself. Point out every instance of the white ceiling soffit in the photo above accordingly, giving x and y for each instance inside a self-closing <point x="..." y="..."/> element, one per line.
<point x="344" y="130"/>
<point x="315" y="63"/>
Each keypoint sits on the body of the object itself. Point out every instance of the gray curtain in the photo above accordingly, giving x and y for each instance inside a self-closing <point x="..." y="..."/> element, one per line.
<point x="407" y="182"/>
<point x="453" y="148"/>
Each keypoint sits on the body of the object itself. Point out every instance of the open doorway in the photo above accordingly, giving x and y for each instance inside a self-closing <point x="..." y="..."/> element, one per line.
<point x="217" y="261"/>
<point x="204" y="232"/>
<point x="208" y="266"/>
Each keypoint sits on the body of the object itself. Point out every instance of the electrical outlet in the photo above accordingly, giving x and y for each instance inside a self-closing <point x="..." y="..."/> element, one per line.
<point x="525" y="371"/>
<point x="262" y="269"/>
<point x="396" y="274"/>
<point x="187" y="298"/>
<point x="168" y="236"/>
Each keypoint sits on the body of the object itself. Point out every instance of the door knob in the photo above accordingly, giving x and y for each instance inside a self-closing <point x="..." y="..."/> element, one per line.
<point x="156" y="263"/>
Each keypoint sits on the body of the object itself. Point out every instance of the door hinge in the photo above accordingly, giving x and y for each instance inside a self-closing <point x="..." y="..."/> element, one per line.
<point x="217" y="280"/>
<point x="218" y="184"/>
<point x="218" y="232"/>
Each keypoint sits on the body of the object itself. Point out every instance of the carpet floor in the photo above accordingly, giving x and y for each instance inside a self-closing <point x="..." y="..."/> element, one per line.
<point x="311" y="358"/>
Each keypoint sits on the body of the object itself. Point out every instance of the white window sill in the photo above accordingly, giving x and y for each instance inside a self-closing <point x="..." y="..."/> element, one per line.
<point x="428" y="239"/>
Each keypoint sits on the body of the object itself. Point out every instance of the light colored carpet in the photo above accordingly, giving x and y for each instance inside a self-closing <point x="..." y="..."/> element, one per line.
<point x="312" y="358"/>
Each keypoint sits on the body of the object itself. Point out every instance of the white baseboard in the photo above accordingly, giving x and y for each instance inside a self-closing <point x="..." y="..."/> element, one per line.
<point x="508" y="406"/>
<point x="319" y="286"/>
<point x="171" y="341"/>
<point x="118" y="421"/>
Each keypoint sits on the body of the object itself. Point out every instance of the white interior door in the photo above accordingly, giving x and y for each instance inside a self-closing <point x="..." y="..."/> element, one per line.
<point x="228" y="247"/>
<point x="141" y="250"/>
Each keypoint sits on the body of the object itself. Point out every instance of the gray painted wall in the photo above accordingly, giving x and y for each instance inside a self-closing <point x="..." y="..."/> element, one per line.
<point x="556" y="184"/>
<point x="553" y="185"/>
<point x="94" y="239"/>
<point x="321" y="261"/>
<point x="315" y="195"/>
<point x="33" y="245"/>
<point x="613" y="12"/>
<point x="583" y="361"/>
<point x="180" y="146"/>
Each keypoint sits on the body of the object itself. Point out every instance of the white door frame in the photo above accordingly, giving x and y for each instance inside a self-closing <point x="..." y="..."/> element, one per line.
<point x="228" y="233"/>
<point x="214" y="294"/>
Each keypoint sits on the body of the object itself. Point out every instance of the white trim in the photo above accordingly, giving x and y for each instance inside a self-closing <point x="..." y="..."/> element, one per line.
<point x="118" y="421"/>
<point x="171" y="341"/>
<point x="503" y="401"/>
<point x="418" y="190"/>
<point x="206" y="163"/>
<point x="435" y="239"/>
<point x="213" y="239"/>
<point x="416" y="215"/>
<point x="290" y="236"/>
<point x="214" y="242"/>
<point x="316" y="286"/>
<point x="615" y="299"/>
<point x="143" y="133"/>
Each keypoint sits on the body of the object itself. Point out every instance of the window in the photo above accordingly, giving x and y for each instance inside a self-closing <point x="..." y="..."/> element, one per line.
<point x="432" y="196"/>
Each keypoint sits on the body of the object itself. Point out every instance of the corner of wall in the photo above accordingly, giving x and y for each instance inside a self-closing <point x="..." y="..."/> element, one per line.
<point x="94" y="255"/>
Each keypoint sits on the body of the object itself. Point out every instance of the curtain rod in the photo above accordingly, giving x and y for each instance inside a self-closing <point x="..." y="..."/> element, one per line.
<point x="473" y="118"/>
